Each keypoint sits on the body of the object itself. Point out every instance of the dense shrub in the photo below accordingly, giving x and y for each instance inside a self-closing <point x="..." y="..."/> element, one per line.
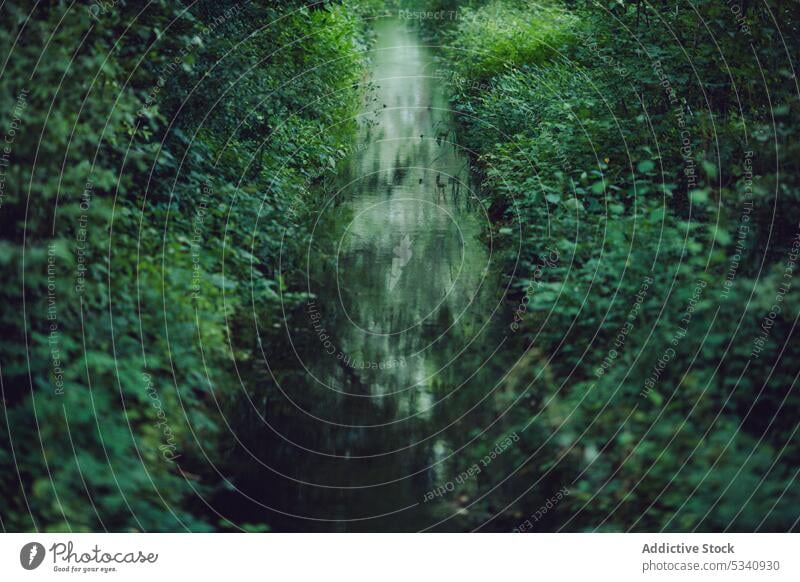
<point x="160" y="157"/>
<point x="635" y="144"/>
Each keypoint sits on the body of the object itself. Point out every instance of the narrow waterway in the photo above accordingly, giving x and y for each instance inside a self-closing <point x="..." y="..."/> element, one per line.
<point x="395" y="356"/>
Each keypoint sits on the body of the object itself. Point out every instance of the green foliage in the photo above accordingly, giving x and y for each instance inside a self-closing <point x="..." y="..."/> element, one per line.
<point x="502" y="35"/>
<point x="638" y="160"/>
<point x="154" y="176"/>
<point x="158" y="172"/>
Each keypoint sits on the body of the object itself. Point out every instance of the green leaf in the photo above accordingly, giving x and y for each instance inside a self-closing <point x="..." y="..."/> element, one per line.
<point x="616" y="208"/>
<point x="722" y="236"/>
<point x="645" y="166"/>
<point x="599" y="187"/>
<point x="699" y="196"/>
<point x="656" y="398"/>
<point x="710" y="169"/>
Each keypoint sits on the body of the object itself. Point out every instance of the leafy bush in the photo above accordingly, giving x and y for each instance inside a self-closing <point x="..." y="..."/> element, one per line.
<point x="155" y="170"/>
<point x="639" y="166"/>
<point x="502" y="35"/>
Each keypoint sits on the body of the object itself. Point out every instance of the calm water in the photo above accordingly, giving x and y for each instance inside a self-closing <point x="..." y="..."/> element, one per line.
<point x="393" y="359"/>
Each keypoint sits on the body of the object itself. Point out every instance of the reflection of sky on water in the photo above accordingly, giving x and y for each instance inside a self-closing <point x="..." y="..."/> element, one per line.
<point x="397" y="272"/>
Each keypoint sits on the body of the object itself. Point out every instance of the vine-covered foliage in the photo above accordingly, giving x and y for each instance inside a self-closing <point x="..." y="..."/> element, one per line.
<point x="642" y="163"/>
<point x="158" y="161"/>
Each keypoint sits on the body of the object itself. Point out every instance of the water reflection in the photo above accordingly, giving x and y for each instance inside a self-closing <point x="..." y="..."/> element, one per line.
<point x="392" y="360"/>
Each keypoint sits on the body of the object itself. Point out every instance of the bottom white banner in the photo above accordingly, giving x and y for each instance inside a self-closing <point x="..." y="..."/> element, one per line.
<point x="401" y="557"/>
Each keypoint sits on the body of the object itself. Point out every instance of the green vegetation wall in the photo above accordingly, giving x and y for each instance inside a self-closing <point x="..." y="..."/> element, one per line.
<point x="158" y="161"/>
<point x="641" y="162"/>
